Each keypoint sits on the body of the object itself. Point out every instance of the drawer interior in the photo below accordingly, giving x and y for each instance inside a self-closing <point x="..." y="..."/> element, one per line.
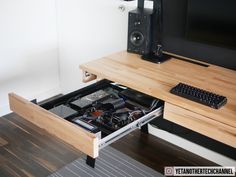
<point x="103" y="108"/>
<point x="92" y="117"/>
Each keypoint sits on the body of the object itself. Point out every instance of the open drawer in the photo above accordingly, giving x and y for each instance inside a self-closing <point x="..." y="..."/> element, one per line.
<point x="92" y="117"/>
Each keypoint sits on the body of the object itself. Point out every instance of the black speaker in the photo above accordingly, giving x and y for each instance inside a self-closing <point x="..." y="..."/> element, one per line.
<point x="139" y="31"/>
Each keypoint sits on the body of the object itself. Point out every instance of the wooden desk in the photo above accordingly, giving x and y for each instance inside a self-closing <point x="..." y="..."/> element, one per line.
<point x="157" y="80"/>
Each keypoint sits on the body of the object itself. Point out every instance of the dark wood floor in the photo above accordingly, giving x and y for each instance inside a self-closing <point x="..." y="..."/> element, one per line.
<point x="26" y="150"/>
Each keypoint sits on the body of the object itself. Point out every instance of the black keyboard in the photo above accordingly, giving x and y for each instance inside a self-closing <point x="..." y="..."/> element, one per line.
<point x="198" y="95"/>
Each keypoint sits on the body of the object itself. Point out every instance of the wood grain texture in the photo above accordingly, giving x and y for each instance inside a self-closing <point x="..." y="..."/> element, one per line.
<point x="3" y="142"/>
<point x="201" y="124"/>
<point x="157" y="80"/>
<point x="77" y="137"/>
<point x="32" y="152"/>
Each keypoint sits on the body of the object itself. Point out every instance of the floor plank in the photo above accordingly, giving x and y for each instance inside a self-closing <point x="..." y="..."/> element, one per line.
<point x="30" y="151"/>
<point x="157" y="153"/>
<point x="2" y="142"/>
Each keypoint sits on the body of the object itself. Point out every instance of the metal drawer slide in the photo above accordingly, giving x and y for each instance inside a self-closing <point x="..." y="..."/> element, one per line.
<point x="130" y="127"/>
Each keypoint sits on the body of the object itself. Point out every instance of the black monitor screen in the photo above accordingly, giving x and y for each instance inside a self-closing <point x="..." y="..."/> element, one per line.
<point x="212" y="22"/>
<point x="201" y="29"/>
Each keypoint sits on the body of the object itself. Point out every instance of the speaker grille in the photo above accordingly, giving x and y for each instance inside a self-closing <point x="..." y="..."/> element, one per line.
<point x="136" y="38"/>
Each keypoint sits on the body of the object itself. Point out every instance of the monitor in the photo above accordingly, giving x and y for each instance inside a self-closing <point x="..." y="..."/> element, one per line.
<point x="201" y="29"/>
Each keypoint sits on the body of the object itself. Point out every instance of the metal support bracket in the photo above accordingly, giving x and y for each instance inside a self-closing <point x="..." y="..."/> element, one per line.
<point x="88" y="77"/>
<point x="144" y="128"/>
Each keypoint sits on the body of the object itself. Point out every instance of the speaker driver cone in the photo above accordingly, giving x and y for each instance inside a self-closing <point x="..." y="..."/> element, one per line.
<point x="136" y="38"/>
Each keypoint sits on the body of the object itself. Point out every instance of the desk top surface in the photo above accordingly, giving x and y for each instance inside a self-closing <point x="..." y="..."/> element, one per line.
<point x="157" y="80"/>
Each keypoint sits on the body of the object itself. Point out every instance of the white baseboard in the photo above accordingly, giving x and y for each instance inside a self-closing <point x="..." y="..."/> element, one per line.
<point x="192" y="147"/>
<point x="4" y="108"/>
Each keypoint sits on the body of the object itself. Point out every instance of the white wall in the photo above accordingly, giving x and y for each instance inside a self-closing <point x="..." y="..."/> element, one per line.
<point x="88" y="30"/>
<point x="28" y="50"/>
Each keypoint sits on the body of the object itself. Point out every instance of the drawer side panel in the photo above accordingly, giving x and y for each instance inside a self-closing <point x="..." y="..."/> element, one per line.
<point x="74" y="135"/>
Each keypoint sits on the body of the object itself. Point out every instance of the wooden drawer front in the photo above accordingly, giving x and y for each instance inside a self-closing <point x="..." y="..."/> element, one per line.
<point x="201" y="124"/>
<point x="66" y="131"/>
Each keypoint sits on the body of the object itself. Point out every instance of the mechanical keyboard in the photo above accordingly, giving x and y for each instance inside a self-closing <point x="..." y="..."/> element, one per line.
<point x="198" y="95"/>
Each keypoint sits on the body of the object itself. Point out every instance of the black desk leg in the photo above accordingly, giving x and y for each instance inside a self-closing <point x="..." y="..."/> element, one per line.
<point x="144" y="128"/>
<point x="90" y="161"/>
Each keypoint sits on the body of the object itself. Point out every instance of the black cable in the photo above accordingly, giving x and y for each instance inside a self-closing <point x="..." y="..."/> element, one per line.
<point x="157" y="27"/>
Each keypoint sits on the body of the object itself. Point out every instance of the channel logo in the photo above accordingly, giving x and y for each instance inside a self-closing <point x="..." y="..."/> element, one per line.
<point x="169" y="171"/>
